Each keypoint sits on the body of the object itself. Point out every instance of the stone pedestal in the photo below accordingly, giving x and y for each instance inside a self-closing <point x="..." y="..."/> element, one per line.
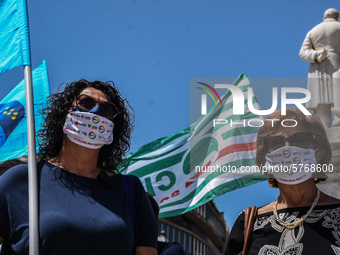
<point x="332" y="185"/>
<point x="325" y="115"/>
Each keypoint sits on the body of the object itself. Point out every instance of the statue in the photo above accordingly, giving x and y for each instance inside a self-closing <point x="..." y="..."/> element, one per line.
<point x="321" y="48"/>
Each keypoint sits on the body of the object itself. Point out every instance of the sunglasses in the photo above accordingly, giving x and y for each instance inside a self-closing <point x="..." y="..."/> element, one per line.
<point x="86" y="103"/>
<point x="302" y="140"/>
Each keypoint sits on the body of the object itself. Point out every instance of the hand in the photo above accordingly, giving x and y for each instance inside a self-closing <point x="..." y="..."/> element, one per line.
<point x="321" y="55"/>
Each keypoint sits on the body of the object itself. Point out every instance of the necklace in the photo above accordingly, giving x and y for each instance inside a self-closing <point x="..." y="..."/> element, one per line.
<point x="295" y="223"/>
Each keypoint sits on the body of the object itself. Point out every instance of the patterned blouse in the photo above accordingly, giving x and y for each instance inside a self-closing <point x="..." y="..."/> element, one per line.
<point x="318" y="234"/>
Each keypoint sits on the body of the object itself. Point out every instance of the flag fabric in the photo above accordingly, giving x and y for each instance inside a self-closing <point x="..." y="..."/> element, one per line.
<point x="14" y="35"/>
<point x="13" y="125"/>
<point x="167" y="167"/>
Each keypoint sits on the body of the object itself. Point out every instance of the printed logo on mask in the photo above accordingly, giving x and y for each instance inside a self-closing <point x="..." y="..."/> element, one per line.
<point x="286" y="153"/>
<point x="92" y="135"/>
<point x="296" y="160"/>
<point x="79" y="129"/>
<point x="95" y="119"/>
<point x="74" y="114"/>
<point x="291" y="170"/>
<point x="296" y="153"/>
<point x="101" y="129"/>
<point x="71" y="129"/>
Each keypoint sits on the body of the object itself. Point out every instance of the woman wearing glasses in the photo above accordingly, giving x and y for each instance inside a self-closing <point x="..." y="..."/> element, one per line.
<point x="83" y="208"/>
<point x="302" y="220"/>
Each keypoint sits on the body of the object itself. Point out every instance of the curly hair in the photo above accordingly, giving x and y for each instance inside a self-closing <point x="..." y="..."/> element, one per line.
<point x="50" y="137"/>
<point x="310" y="123"/>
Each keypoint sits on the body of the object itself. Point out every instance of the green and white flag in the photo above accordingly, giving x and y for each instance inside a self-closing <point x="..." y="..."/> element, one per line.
<point x="191" y="167"/>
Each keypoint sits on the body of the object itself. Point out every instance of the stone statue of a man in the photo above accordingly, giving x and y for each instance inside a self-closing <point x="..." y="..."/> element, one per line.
<point x="321" y="48"/>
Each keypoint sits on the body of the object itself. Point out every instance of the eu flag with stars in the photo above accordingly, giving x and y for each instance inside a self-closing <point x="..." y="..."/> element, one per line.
<point x="11" y="115"/>
<point x="13" y="125"/>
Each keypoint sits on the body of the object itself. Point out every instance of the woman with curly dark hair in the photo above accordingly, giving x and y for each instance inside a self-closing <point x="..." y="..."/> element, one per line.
<point x="83" y="208"/>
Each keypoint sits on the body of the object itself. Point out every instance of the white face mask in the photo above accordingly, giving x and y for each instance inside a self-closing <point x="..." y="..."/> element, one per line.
<point x="88" y="129"/>
<point x="290" y="165"/>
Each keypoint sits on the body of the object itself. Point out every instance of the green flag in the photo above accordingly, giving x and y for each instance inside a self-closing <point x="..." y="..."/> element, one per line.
<point x="191" y="167"/>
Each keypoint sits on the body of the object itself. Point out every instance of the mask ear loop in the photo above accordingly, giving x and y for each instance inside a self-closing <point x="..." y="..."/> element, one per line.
<point x="270" y="177"/>
<point x="315" y="178"/>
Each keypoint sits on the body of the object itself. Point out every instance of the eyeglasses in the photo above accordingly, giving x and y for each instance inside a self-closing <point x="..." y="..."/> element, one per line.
<point x="302" y="140"/>
<point x="86" y="103"/>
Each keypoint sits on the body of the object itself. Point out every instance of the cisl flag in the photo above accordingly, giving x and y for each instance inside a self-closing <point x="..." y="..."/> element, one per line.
<point x="191" y="167"/>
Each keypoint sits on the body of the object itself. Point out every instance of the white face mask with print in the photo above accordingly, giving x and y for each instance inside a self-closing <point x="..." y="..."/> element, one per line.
<point x="88" y="129"/>
<point x="291" y="165"/>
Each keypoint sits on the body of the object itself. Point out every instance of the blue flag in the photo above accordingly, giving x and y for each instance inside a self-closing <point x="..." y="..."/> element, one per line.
<point x="14" y="35"/>
<point x="13" y="127"/>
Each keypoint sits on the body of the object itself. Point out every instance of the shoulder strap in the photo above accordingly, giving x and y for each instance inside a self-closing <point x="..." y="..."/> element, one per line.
<point x="130" y="195"/>
<point x="248" y="227"/>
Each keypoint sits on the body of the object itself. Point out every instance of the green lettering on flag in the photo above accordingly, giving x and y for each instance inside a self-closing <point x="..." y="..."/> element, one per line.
<point x="197" y="164"/>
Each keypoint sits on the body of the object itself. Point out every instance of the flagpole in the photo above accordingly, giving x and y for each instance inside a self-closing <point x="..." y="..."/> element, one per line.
<point x="32" y="166"/>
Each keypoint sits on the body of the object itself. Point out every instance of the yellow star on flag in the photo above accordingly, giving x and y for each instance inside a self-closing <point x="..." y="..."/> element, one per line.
<point x="4" y="112"/>
<point x="13" y="118"/>
<point x="15" y="113"/>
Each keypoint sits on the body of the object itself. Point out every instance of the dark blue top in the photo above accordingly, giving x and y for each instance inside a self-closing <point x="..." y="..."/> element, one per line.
<point x="169" y="248"/>
<point x="77" y="215"/>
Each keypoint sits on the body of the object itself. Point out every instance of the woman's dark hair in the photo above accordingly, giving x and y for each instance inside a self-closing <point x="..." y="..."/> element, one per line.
<point x="310" y="123"/>
<point x="50" y="137"/>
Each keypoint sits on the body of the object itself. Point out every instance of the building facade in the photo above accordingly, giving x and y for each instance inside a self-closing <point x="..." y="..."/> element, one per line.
<point x="201" y="231"/>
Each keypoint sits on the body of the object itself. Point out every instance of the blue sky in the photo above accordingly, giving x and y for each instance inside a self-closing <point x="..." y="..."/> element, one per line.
<point x="152" y="48"/>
